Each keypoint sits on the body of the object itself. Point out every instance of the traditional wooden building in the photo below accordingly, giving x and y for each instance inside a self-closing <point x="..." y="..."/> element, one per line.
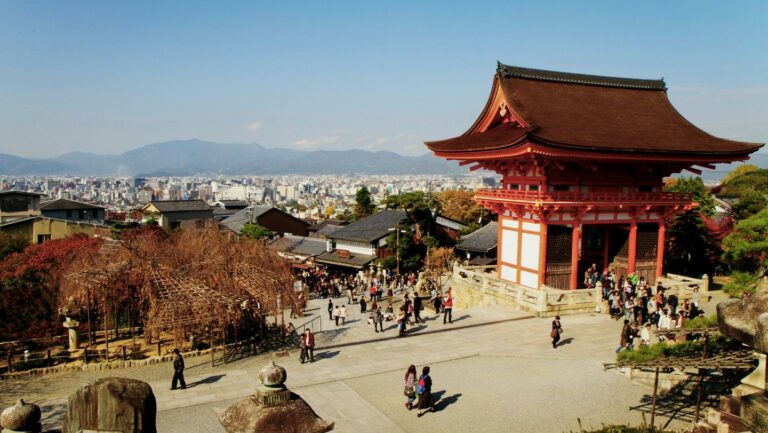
<point x="582" y="159"/>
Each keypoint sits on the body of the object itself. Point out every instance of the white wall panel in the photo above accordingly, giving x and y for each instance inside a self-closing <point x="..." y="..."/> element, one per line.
<point x="530" y="251"/>
<point x="531" y="227"/>
<point x="508" y="247"/>
<point x="509" y="274"/>
<point x="529" y="279"/>
<point x="509" y="222"/>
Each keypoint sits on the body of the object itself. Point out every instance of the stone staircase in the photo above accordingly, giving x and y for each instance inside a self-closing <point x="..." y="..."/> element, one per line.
<point x="745" y="410"/>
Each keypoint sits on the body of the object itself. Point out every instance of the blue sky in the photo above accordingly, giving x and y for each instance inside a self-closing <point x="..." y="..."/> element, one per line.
<point x="105" y="77"/>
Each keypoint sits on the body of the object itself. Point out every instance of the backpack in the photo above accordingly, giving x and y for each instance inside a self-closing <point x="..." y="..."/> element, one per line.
<point x="421" y="386"/>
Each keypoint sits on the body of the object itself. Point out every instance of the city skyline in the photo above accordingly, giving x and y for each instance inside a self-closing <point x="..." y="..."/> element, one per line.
<point x="107" y="78"/>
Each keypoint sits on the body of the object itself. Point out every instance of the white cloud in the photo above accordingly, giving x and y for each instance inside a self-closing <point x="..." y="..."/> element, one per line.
<point x="312" y="143"/>
<point x="255" y="126"/>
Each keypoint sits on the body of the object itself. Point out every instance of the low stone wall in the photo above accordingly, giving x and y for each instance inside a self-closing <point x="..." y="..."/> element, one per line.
<point x="474" y="287"/>
<point x="98" y="366"/>
<point x="667" y="381"/>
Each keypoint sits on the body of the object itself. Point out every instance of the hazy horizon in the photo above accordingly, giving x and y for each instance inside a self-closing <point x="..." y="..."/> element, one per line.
<point x="107" y="77"/>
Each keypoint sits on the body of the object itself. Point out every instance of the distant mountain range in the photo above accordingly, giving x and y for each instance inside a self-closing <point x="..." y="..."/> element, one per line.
<point x="196" y="157"/>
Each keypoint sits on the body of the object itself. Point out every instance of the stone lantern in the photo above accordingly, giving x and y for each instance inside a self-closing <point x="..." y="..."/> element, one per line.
<point x="274" y="409"/>
<point x="21" y="418"/>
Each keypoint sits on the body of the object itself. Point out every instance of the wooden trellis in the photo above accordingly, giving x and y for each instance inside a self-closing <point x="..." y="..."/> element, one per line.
<point x="726" y="360"/>
<point x="267" y="286"/>
<point x="177" y="301"/>
<point x="742" y="359"/>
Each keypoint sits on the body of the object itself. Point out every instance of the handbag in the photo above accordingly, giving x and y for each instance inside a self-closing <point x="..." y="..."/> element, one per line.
<point x="409" y="392"/>
<point x="553" y="334"/>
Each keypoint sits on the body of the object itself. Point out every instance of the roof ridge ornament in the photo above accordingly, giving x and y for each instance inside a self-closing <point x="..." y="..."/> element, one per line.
<point x="507" y="71"/>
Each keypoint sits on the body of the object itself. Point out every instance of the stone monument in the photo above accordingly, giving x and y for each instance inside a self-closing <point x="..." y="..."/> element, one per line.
<point x="113" y="404"/>
<point x="21" y="418"/>
<point x="71" y="308"/>
<point x="71" y="326"/>
<point x="273" y="409"/>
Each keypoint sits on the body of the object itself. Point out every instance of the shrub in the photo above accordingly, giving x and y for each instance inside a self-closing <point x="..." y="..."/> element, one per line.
<point x="739" y="283"/>
<point x="688" y="348"/>
<point x="702" y="322"/>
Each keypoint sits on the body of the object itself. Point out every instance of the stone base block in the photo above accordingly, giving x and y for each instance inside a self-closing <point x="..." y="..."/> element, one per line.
<point x="294" y="416"/>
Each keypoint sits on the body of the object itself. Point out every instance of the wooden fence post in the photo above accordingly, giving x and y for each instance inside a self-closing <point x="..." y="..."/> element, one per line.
<point x="125" y="358"/>
<point x="210" y="336"/>
<point x="49" y="357"/>
<point x="10" y="361"/>
<point x="655" y="391"/>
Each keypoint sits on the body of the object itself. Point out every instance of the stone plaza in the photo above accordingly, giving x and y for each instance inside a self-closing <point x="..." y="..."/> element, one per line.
<point x="494" y="370"/>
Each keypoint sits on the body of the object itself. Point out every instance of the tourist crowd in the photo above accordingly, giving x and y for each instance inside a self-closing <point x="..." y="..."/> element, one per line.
<point x="642" y="306"/>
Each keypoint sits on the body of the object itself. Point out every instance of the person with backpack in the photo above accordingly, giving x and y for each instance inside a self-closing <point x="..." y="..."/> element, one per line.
<point x="424" y="392"/>
<point x="410" y="384"/>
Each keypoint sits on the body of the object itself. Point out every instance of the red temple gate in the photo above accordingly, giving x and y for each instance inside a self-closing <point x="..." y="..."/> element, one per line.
<point x="582" y="160"/>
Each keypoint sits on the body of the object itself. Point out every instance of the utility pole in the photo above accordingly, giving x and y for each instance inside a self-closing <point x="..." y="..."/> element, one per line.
<point x="397" y="250"/>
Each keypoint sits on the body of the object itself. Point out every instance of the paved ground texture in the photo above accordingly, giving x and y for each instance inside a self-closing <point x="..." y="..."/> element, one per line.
<point x="494" y="370"/>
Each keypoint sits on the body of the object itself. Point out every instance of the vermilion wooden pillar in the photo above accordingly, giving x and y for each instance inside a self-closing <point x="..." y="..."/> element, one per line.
<point x="575" y="256"/>
<point x="543" y="255"/>
<point x="632" y="246"/>
<point x="605" y="248"/>
<point x="660" y="248"/>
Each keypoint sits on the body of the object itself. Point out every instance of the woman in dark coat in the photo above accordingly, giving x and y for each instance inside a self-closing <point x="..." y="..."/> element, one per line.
<point x="556" y="330"/>
<point x="424" y="391"/>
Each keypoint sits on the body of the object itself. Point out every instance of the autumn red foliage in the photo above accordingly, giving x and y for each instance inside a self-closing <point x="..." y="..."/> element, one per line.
<point x="29" y="286"/>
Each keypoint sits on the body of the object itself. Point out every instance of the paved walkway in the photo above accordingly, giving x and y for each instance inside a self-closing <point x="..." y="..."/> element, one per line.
<point x="498" y="361"/>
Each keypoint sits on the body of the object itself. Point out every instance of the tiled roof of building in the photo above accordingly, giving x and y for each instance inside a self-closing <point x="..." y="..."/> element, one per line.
<point x="447" y="222"/>
<point x="300" y="245"/>
<point x="372" y="227"/>
<point x="481" y="240"/>
<point x="356" y="261"/>
<point x="9" y="192"/>
<point x="180" y="205"/>
<point x="240" y="218"/>
<point x="233" y="204"/>
<point x="328" y="229"/>
<point x="65" y="204"/>
<point x="589" y="113"/>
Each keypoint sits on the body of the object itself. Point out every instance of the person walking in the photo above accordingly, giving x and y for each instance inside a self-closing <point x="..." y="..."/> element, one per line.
<point x="557" y="329"/>
<point x="307" y="346"/>
<point x="363" y="305"/>
<point x="401" y="319"/>
<point x="178" y="370"/>
<point x="417" y="308"/>
<point x="336" y="314"/>
<point x="424" y="392"/>
<point x="330" y="309"/>
<point x="436" y="302"/>
<point x="410" y="384"/>
<point x="448" y="306"/>
<point x="343" y="314"/>
<point x="378" y="320"/>
<point x="623" y="341"/>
